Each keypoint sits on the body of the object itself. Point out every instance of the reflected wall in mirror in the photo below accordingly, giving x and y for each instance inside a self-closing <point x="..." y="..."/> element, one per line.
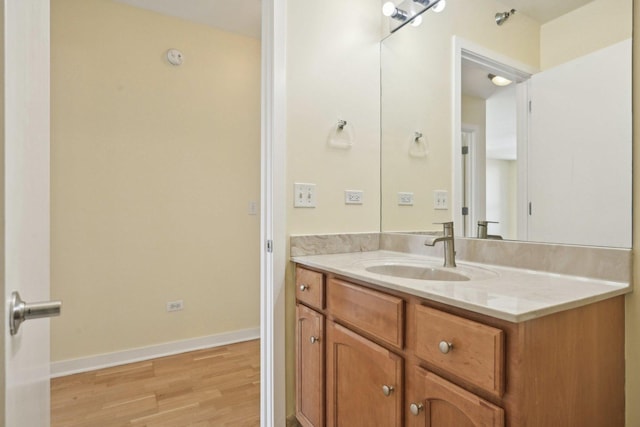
<point x="558" y="173"/>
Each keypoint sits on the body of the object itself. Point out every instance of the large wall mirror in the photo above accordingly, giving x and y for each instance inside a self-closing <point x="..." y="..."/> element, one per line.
<point x="545" y="157"/>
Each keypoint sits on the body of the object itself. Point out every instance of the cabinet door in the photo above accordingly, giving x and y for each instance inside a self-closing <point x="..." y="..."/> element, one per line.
<point x="309" y="367"/>
<point x="435" y="402"/>
<point x="364" y="381"/>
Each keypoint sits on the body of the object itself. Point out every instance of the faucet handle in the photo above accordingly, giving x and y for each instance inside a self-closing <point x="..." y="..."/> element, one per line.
<point x="447" y="228"/>
<point x="445" y="225"/>
<point x="483" y="225"/>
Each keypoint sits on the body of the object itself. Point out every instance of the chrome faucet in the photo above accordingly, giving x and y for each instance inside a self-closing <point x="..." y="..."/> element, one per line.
<point x="482" y="230"/>
<point x="447" y="239"/>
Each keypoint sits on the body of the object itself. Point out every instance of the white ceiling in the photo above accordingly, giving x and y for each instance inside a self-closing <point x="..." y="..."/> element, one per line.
<point x="237" y="16"/>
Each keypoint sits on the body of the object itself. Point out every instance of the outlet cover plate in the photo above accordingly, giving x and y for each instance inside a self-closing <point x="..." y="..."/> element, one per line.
<point x="405" y="199"/>
<point x="175" y="305"/>
<point x="353" y="197"/>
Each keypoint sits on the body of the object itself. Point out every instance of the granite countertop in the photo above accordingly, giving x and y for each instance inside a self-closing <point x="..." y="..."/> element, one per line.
<point x="511" y="294"/>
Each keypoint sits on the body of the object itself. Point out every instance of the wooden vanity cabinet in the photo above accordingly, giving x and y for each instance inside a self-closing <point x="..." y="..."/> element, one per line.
<point x="385" y="358"/>
<point x="310" y="348"/>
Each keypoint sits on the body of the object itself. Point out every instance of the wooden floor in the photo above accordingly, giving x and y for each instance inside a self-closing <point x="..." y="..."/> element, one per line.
<point x="215" y="387"/>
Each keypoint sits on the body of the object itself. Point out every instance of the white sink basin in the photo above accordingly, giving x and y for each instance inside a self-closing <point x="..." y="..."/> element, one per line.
<point x="417" y="272"/>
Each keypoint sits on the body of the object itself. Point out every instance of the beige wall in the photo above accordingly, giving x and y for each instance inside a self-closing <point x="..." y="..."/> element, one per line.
<point x="153" y="167"/>
<point x="599" y="24"/>
<point x="333" y="73"/>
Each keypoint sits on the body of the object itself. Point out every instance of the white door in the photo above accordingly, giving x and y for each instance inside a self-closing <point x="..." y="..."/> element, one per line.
<point x="26" y="207"/>
<point x="580" y="147"/>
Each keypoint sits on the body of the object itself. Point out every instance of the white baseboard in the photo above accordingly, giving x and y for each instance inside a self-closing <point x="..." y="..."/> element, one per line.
<point x="99" y="361"/>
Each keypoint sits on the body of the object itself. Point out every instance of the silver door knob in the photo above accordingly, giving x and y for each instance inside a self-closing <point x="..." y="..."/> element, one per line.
<point x="19" y="311"/>
<point x="415" y="408"/>
<point x="445" y="347"/>
<point x="314" y="339"/>
<point x="387" y="390"/>
<point x="304" y="287"/>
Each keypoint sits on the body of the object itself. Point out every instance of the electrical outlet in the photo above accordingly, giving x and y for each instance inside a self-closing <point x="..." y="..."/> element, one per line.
<point x="353" y="197"/>
<point x="175" y="305"/>
<point x="440" y="199"/>
<point x="405" y="199"/>
<point x="304" y="195"/>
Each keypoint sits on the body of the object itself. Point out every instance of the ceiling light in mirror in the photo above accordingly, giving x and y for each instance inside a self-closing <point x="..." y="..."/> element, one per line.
<point x="499" y="80"/>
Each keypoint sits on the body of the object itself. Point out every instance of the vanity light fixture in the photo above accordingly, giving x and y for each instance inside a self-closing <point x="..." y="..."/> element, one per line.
<point x="501" y="17"/>
<point x="499" y="80"/>
<point x="389" y="9"/>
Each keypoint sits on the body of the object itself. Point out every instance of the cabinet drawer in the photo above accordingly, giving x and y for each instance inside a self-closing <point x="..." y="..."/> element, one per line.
<point x="310" y="287"/>
<point x="374" y="312"/>
<point x="476" y="352"/>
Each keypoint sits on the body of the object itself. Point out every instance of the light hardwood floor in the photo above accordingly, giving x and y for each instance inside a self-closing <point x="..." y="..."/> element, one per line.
<point x="214" y="387"/>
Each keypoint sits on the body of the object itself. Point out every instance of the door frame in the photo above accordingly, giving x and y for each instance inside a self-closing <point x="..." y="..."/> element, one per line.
<point x="473" y="189"/>
<point x="505" y="66"/>
<point x="273" y="216"/>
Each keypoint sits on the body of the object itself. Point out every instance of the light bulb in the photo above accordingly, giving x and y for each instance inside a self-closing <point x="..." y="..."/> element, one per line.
<point x="388" y="9"/>
<point x="416" y="21"/>
<point x="499" y="80"/>
<point x="439" y="7"/>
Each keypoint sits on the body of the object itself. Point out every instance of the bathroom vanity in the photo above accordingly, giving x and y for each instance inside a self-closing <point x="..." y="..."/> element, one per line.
<point x="495" y="347"/>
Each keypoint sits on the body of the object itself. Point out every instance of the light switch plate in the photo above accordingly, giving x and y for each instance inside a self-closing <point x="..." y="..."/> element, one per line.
<point x="304" y="195"/>
<point x="440" y="199"/>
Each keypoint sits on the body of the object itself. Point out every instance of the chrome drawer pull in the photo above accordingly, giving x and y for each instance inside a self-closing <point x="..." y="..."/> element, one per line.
<point x="387" y="389"/>
<point x="314" y="340"/>
<point x="445" y="347"/>
<point x="415" y="408"/>
<point x="304" y="288"/>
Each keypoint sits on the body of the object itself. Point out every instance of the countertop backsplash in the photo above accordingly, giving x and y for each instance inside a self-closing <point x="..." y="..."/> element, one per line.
<point x="614" y="264"/>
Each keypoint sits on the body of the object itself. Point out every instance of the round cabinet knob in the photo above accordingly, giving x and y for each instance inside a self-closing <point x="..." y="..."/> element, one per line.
<point x="314" y="340"/>
<point x="304" y="287"/>
<point x="387" y="390"/>
<point x="415" y="408"/>
<point x="445" y="347"/>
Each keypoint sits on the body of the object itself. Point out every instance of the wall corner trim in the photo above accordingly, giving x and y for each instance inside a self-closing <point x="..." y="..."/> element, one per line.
<point x="106" y="360"/>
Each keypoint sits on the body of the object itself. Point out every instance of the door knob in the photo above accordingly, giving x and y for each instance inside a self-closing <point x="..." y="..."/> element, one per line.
<point x="387" y="389"/>
<point x="19" y="311"/>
